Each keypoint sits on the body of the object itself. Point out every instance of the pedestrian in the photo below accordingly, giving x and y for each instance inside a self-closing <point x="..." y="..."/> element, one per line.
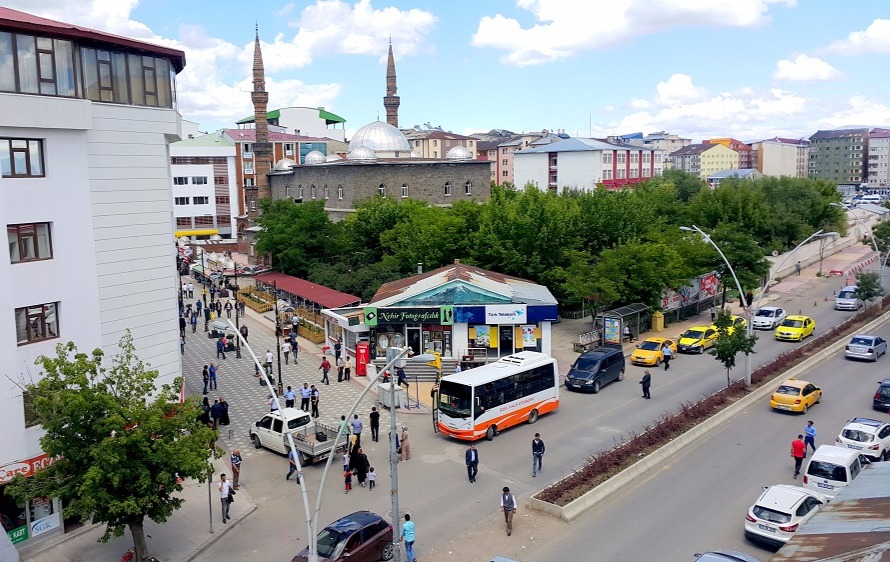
<point x="215" y="412"/>
<point x="798" y="453"/>
<point x="228" y="308"/>
<point x="294" y="460"/>
<point x="295" y="322"/>
<point x="212" y="373"/>
<point x="405" y="445"/>
<point x="346" y="465"/>
<point x="537" y="454"/>
<point x="314" y="400"/>
<point x="225" y="491"/>
<point x="472" y="460"/>
<point x="797" y="268"/>
<point x="713" y="313"/>
<point x="269" y="361"/>
<point x="220" y="348"/>
<point x="206" y="317"/>
<point x="408" y="536"/>
<point x="810" y="435"/>
<point x="343" y="426"/>
<point x="749" y="298"/>
<point x="325" y="367"/>
<point x="191" y="290"/>
<point x="508" y="506"/>
<point x="457" y="368"/>
<point x="372" y="478"/>
<point x="338" y="349"/>
<point x="290" y="397"/>
<point x="244" y="331"/>
<point x="402" y="379"/>
<point x="224" y="412"/>
<point x="347" y="480"/>
<point x="182" y="343"/>
<point x="361" y="465"/>
<point x="273" y="405"/>
<point x="667" y="353"/>
<point x="205" y="374"/>
<point x="646" y="382"/>
<point x="204" y="416"/>
<point x="305" y="395"/>
<point x="198" y="305"/>
<point x="295" y="348"/>
<point x="182" y="324"/>
<point x="194" y="322"/>
<point x="285" y="349"/>
<point x="628" y="335"/>
<point x="236" y="467"/>
<point x="347" y="368"/>
<point x="340" y="366"/>
<point x="357" y="427"/>
<point x="374" y="416"/>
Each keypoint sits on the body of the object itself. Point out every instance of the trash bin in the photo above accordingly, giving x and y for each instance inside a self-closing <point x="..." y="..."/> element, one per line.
<point x="657" y="321"/>
<point x="386" y="396"/>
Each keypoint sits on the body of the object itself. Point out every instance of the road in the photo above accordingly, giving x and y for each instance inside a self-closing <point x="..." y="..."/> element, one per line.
<point x="697" y="501"/>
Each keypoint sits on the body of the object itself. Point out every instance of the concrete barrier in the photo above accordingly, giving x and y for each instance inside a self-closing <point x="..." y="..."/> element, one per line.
<point x="658" y="457"/>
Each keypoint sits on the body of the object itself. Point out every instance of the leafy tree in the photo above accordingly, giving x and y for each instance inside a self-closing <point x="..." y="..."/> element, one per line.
<point x="580" y="283"/>
<point x="640" y="271"/>
<point x="740" y="249"/>
<point x="295" y="235"/>
<point x="882" y="236"/>
<point x="119" y="444"/>
<point x="730" y="343"/>
<point x="869" y="283"/>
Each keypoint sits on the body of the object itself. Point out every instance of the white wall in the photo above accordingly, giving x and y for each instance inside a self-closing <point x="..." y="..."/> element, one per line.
<point x="779" y="159"/>
<point x="531" y="168"/>
<point x="191" y="191"/>
<point x="579" y="170"/>
<point x="306" y="120"/>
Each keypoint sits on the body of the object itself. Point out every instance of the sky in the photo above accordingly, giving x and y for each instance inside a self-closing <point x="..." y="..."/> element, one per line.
<point x="748" y="69"/>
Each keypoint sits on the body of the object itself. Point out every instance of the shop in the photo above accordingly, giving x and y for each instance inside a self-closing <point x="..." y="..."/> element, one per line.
<point x="40" y="518"/>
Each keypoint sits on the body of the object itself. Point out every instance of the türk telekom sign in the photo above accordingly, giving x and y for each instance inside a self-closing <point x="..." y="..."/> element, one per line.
<point x="26" y="468"/>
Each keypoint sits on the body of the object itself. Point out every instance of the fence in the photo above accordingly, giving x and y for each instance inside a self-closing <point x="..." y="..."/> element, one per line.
<point x="256" y="300"/>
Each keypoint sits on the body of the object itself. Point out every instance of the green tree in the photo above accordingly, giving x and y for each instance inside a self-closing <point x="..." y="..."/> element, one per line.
<point x="295" y="235"/>
<point x="119" y="441"/>
<point x="740" y="249"/>
<point x="730" y="342"/>
<point x="581" y="284"/>
<point x="869" y="283"/>
<point x="640" y="271"/>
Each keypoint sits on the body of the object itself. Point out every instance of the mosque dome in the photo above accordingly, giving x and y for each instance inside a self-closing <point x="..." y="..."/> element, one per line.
<point x="314" y="157"/>
<point x="459" y="153"/>
<point x="381" y="137"/>
<point x="284" y="165"/>
<point x="361" y="154"/>
<point x="332" y="157"/>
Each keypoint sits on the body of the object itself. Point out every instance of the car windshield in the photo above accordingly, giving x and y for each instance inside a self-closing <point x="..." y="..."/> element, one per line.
<point x="454" y="399"/>
<point x="693" y="334"/>
<point x="861" y="341"/>
<point x="827" y="470"/>
<point x="846" y="295"/>
<point x="330" y="543"/>
<point x="766" y="313"/>
<point x="792" y="323"/>
<point x="650" y="346"/>
<point x="586" y="363"/>
<point x="857" y="435"/>
<point x="771" y="515"/>
<point x="298" y="422"/>
<point x="789" y="390"/>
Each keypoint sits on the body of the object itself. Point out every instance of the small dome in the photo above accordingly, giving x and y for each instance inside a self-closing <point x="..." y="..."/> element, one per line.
<point x="381" y="137"/>
<point x="415" y="154"/>
<point x="284" y="165"/>
<point x="362" y="154"/>
<point x="459" y="153"/>
<point x="332" y="158"/>
<point x="314" y="157"/>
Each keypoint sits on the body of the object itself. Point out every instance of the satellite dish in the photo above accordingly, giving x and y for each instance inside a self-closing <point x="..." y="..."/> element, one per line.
<point x="775" y="253"/>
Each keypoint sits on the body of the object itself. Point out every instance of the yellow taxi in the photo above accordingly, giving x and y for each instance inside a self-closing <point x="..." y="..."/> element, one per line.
<point x="795" y="396"/>
<point x="737" y="322"/>
<point x="648" y="352"/>
<point x="795" y="328"/>
<point x="697" y="339"/>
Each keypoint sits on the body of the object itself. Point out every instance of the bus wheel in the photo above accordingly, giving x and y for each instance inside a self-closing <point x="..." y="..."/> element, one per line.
<point x="492" y="431"/>
<point x="533" y="416"/>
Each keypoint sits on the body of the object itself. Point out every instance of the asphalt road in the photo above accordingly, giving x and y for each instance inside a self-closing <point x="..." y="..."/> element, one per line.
<point x="698" y="499"/>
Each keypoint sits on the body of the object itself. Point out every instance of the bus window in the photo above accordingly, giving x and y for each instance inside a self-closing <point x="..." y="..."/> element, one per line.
<point x="454" y="399"/>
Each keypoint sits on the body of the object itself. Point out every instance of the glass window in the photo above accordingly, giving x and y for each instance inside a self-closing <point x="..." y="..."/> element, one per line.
<point x="404" y="190"/>
<point x="21" y="158"/>
<point x="29" y="242"/>
<point x="248" y="167"/>
<point x="199" y="180"/>
<point x="7" y="63"/>
<point x="180" y="180"/>
<point x="468" y="188"/>
<point x="312" y="191"/>
<point x="200" y="200"/>
<point x="36" y="323"/>
<point x="118" y="68"/>
<point x="137" y="87"/>
<point x="181" y="201"/>
<point x="327" y="192"/>
<point x="151" y="83"/>
<point x="340" y="192"/>
<point x="447" y="189"/>
<point x="381" y="190"/>
<point x="162" y="75"/>
<point x="26" y="53"/>
<point x="65" y="82"/>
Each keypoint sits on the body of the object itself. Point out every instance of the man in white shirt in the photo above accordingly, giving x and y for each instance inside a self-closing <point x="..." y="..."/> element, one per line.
<point x="285" y="349"/>
<point x="191" y="290"/>
<point x="224" y="489"/>
<point x="269" y="361"/>
<point x="305" y="395"/>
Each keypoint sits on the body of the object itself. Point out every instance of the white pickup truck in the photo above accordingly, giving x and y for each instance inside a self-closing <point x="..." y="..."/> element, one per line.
<point x="314" y="440"/>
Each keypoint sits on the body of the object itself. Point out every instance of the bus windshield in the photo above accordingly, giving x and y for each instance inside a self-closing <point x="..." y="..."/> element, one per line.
<point x="454" y="399"/>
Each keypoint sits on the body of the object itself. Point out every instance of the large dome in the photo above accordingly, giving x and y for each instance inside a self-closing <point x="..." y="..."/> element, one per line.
<point x="380" y="137"/>
<point x="459" y="153"/>
<point x="314" y="157"/>
<point x="284" y="165"/>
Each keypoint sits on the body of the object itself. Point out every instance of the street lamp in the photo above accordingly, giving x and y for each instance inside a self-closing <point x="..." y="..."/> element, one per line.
<point x="277" y="334"/>
<point x="234" y="267"/>
<point x="871" y="234"/>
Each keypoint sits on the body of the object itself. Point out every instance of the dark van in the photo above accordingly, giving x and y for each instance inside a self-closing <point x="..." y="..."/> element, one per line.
<point x="596" y="368"/>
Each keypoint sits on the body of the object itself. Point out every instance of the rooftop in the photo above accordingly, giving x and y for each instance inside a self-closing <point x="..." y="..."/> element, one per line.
<point x="579" y="145"/>
<point x="249" y="135"/>
<point x="212" y="140"/>
<point x="330" y="118"/>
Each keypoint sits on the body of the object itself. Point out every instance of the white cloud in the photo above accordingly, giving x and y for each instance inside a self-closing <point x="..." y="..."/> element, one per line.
<point x="858" y="110"/>
<point x="678" y="89"/>
<point x="567" y="27"/>
<point x="806" y="69"/>
<point x="875" y="39"/>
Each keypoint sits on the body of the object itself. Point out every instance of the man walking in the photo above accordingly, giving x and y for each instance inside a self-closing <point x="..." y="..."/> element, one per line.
<point x="798" y="453"/>
<point x="508" y="505"/>
<point x="338" y="349"/>
<point x="537" y="454"/>
<point x="212" y="373"/>
<point x="224" y="489"/>
<point x="244" y="331"/>
<point x="305" y="395"/>
<point x="182" y="325"/>
<point x="236" y="468"/>
<point x="646" y="382"/>
<point x="285" y="349"/>
<point x="340" y="366"/>
<point x="220" y="348"/>
<point x="408" y="536"/>
<point x="193" y="319"/>
<point x="810" y="435"/>
<point x="290" y="397"/>
<point x="668" y="354"/>
<point x="347" y="368"/>
<point x="314" y="399"/>
<point x="294" y="463"/>
<point x="191" y="290"/>
<point x="357" y="427"/>
<point x="472" y="460"/>
<point x="206" y="376"/>
<point x="374" y="416"/>
<point x="325" y="367"/>
<point x="269" y="361"/>
<point x="295" y="348"/>
<point x="215" y="413"/>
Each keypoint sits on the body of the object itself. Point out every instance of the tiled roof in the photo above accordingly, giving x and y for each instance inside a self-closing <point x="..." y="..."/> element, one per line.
<point x="838" y="134"/>
<point x="580" y="145"/>
<point x="692" y="149"/>
<point x="249" y="135"/>
<point x="878" y="133"/>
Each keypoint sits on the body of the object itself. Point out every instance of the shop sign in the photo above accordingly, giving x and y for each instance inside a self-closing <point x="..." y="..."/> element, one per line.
<point x="45" y="524"/>
<point x="388" y="316"/>
<point x="18" y="535"/>
<point x="26" y="468"/>
<point x="506" y="314"/>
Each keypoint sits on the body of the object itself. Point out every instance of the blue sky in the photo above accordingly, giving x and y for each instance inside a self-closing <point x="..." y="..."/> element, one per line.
<point x="750" y="69"/>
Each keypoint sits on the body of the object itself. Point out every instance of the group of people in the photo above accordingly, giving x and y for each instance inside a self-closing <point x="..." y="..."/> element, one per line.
<point x="309" y="398"/>
<point x="214" y="415"/>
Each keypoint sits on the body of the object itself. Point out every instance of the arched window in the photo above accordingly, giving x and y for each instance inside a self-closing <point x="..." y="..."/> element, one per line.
<point x="287" y="191"/>
<point x="447" y="189"/>
<point x="340" y="192"/>
<point x="404" y="190"/>
<point x="312" y="190"/>
<point x="327" y="192"/>
<point x="468" y="188"/>
<point x="300" y="188"/>
<point x="381" y="191"/>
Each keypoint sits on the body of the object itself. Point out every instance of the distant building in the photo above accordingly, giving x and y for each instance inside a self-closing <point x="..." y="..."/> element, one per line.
<point x="665" y="142"/>
<point x="584" y="164"/>
<point x="879" y="157"/>
<point x="704" y="159"/>
<point x="435" y="144"/>
<point x="500" y="153"/>
<point x="781" y="157"/>
<point x="839" y="155"/>
<point x="747" y="173"/>
<point x="205" y="186"/>
<point x="304" y="121"/>
<point x="744" y="150"/>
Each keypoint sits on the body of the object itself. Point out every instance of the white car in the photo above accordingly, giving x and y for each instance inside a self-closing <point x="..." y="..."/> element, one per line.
<point x="768" y="318"/>
<point x="865" y="346"/>
<point x="779" y="512"/>
<point x="870" y="437"/>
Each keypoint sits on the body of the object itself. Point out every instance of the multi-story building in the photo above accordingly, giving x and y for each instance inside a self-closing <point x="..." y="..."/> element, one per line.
<point x="744" y="150"/>
<point x="879" y="157"/>
<point x="665" y="142"/>
<point x="584" y="164"/>
<point x="85" y="195"/>
<point x="303" y="121"/>
<point x="488" y="150"/>
<point x="839" y="155"/>
<point x="499" y="151"/>
<point x="704" y="159"/>
<point x="781" y="157"/>
<point x="435" y="144"/>
<point x="205" y="186"/>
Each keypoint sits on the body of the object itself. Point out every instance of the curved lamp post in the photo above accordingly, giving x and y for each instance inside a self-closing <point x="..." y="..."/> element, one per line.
<point x="871" y="234"/>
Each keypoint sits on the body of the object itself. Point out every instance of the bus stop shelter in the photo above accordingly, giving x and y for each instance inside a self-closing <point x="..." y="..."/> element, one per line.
<point x="612" y="322"/>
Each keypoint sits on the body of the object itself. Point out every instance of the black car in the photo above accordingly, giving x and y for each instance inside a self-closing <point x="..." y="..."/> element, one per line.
<point x="882" y="396"/>
<point x="596" y="368"/>
<point x="361" y="536"/>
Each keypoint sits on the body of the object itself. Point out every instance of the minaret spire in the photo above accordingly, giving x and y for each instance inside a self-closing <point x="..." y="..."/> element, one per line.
<point x="391" y="100"/>
<point x="262" y="149"/>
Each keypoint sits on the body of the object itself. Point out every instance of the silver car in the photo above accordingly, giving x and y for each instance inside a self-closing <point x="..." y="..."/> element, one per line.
<point x="768" y="318"/>
<point x="864" y="346"/>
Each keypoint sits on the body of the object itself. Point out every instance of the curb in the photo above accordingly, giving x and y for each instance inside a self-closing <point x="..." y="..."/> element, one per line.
<point x="630" y="474"/>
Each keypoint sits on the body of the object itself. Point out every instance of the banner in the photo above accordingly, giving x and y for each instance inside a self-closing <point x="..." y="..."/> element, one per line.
<point x="528" y="336"/>
<point x="699" y="289"/>
<point x="612" y="330"/>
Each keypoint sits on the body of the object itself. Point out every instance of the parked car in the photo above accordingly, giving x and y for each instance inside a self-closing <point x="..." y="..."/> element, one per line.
<point x="737" y="322"/>
<point x="848" y="299"/>
<point x="795" y="395"/>
<point x="869" y="437"/>
<point x="795" y="328"/>
<point x="648" y="351"/>
<point x="697" y="339"/>
<point x="768" y="318"/>
<point x="596" y="368"/>
<point x="724" y="556"/>
<point x="864" y="346"/>
<point x="882" y="396"/>
<point x="779" y="512"/>
<point x="359" y="537"/>
<point x="313" y="440"/>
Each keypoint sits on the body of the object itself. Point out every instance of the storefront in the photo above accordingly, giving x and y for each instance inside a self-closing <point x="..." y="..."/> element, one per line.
<point x="40" y="518"/>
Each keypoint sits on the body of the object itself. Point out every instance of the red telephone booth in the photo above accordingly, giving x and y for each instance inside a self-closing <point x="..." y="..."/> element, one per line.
<point x="362" y="358"/>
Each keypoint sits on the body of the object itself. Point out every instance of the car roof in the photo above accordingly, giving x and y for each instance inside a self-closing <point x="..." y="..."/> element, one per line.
<point x="702" y="328"/>
<point x="870" y="336"/>
<point x="782" y="496"/>
<point x="866" y="423"/>
<point x="291" y="413"/>
<point x="797" y="317"/>
<point x="354" y="521"/>
<point x="770" y="308"/>
<point x="731" y="555"/>
<point x="836" y="455"/>
<point x="658" y="339"/>
<point x="796" y="383"/>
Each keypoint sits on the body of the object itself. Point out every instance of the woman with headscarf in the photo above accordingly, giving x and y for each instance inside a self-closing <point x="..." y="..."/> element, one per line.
<point x="406" y="446"/>
<point x="361" y="465"/>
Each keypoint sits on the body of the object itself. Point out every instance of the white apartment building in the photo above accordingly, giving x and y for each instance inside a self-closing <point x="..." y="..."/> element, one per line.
<point x="85" y="195"/>
<point x="304" y="121"/>
<point x="782" y="157"/>
<point x="879" y="157"/>
<point x="205" y="186"/>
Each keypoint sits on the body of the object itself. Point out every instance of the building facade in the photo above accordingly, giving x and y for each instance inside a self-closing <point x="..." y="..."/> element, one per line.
<point x="781" y="157"/>
<point x="839" y="155"/>
<point x="879" y="157"/>
<point x="205" y="186"/>
<point x="85" y="195"/>
<point x="666" y="143"/>
<point x="705" y="159"/>
<point x="744" y="151"/>
<point x="303" y="121"/>
<point x="435" y="144"/>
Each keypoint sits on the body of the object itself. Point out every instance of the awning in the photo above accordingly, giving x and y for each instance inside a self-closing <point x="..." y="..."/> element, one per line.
<point x="319" y="294"/>
<point x="201" y="232"/>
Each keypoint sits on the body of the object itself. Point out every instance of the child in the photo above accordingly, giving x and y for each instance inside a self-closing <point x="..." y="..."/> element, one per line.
<point x="347" y="480"/>
<point x="372" y="477"/>
<point x="346" y="460"/>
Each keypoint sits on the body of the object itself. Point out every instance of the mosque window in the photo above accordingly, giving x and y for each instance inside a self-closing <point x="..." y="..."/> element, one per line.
<point x="312" y="191"/>
<point x="447" y="189"/>
<point x="468" y="188"/>
<point x="381" y="191"/>
<point x="404" y="190"/>
<point x="340" y="192"/>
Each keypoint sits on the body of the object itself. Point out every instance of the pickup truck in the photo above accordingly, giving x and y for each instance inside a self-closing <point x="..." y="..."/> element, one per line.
<point x="314" y="440"/>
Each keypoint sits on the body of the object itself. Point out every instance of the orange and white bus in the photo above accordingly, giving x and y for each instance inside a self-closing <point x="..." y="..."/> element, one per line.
<point x="481" y="402"/>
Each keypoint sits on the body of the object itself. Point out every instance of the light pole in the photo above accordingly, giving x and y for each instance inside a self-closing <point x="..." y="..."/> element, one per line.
<point x="234" y="266"/>
<point x="277" y="334"/>
<point x="871" y="235"/>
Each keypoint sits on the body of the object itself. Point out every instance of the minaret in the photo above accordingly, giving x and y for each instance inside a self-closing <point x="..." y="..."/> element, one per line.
<point x="391" y="100"/>
<point x="262" y="148"/>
